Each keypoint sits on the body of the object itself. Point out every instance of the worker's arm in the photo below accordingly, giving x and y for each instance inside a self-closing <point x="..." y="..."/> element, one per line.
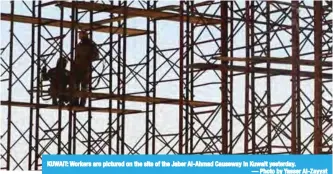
<point x="78" y="53"/>
<point x="95" y="52"/>
<point x="45" y="75"/>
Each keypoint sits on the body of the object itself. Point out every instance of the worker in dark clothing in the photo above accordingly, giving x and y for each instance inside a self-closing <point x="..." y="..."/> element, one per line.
<point x="86" y="52"/>
<point x="59" y="79"/>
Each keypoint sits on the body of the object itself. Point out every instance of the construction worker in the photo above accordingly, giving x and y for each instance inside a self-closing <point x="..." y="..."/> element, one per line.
<point x="59" y="79"/>
<point x="86" y="52"/>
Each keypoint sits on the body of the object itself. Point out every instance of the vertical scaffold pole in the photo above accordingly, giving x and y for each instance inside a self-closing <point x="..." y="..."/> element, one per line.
<point x="154" y="80"/>
<point x="75" y="131"/>
<point x="318" y="76"/>
<point x="119" y="84"/>
<point x="123" y="84"/>
<point x="38" y="84"/>
<point x="147" y="82"/>
<point x="32" y="85"/>
<point x="252" y="87"/>
<point x="192" y="79"/>
<point x="91" y="14"/>
<point x="60" y="57"/>
<point x="247" y="55"/>
<point x="71" y="113"/>
<point x="231" y="77"/>
<point x="224" y="74"/>
<point x="181" y="77"/>
<point x="10" y="79"/>
<point x="187" y="51"/>
<point x="268" y="82"/>
<point x="295" y="78"/>
<point x="110" y="82"/>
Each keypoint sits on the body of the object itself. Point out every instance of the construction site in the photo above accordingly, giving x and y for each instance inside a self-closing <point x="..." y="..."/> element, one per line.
<point x="173" y="77"/>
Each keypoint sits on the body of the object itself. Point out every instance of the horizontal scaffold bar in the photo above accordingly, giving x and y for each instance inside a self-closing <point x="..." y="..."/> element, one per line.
<point x="68" y="24"/>
<point x="73" y="108"/>
<point x="273" y="60"/>
<point x="208" y="66"/>
<point x="132" y="98"/>
<point x="155" y="14"/>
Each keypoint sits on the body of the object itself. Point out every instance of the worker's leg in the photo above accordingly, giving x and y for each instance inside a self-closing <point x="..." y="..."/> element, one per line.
<point x="85" y="87"/>
<point x="54" y="99"/>
<point x="53" y="92"/>
<point x="63" y="85"/>
<point x="76" y="87"/>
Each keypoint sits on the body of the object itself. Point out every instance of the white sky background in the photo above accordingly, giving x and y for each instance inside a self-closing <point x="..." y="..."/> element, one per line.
<point x="166" y="115"/>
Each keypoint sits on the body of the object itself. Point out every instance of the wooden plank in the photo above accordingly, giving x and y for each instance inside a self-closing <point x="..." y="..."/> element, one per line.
<point x="130" y="98"/>
<point x="168" y="7"/>
<point x="68" y="24"/>
<point x="74" y="108"/>
<point x="155" y="14"/>
<point x="205" y="66"/>
<point x="235" y="59"/>
<point x="47" y="3"/>
<point x="114" y="19"/>
<point x="156" y="100"/>
<point x="204" y="3"/>
<point x="277" y="60"/>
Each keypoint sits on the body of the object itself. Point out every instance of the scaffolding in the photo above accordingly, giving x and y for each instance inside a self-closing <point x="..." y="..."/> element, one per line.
<point x="248" y="77"/>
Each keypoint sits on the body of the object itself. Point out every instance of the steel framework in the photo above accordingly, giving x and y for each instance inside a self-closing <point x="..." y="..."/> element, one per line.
<point x="240" y="77"/>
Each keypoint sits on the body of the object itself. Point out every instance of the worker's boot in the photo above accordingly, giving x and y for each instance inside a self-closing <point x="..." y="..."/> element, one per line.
<point x="54" y="101"/>
<point x="61" y="101"/>
<point x="83" y="102"/>
<point x="75" y="102"/>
